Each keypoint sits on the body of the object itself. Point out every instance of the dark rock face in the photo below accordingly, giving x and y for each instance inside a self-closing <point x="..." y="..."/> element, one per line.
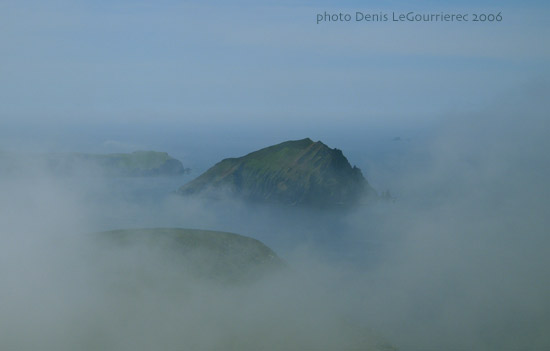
<point x="300" y="172"/>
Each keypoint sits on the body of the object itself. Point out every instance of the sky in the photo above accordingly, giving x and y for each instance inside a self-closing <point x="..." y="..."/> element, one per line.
<point x="93" y="65"/>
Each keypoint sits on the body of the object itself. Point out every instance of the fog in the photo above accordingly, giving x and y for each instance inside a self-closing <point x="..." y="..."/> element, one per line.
<point x="457" y="261"/>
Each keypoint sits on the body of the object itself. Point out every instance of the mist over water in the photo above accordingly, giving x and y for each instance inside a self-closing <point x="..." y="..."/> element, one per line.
<point x="456" y="262"/>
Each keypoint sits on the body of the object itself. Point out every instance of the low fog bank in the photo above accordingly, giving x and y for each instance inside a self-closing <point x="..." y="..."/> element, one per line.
<point x="467" y="239"/>
<point x="456" y="262"/>
<point x="63" y="291"/>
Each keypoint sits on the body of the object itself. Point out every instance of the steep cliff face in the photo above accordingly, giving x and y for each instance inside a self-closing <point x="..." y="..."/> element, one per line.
<point x="300" y="172"/>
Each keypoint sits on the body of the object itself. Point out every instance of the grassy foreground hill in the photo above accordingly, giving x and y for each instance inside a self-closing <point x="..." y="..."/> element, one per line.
<point x="299" y="172"/>
<point x="201" y="253"/>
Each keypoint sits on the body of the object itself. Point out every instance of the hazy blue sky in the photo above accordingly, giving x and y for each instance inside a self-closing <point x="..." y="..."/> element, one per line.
<point x="185" y="64"/>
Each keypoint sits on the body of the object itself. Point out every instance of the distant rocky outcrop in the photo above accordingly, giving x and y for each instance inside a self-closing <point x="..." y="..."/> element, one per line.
<point x="299" y="172"/>
<point x="135" y="164"/>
